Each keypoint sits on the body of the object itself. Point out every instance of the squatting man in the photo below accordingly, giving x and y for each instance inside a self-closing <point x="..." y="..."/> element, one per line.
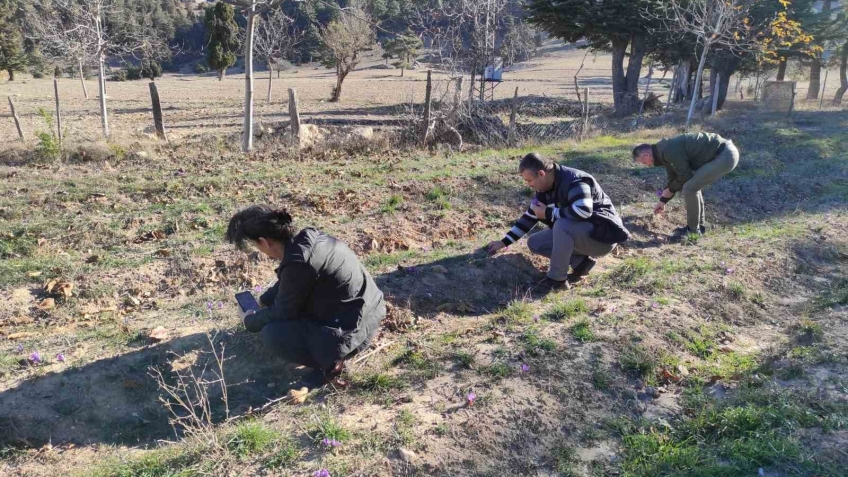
<point x="582" y="220"/>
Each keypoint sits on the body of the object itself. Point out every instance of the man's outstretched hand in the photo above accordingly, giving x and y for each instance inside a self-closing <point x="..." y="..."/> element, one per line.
<point x="538" y="208"/>
<point x="495" y="247"/>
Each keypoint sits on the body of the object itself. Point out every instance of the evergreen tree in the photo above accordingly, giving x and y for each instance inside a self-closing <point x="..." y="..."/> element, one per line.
<point x="13" y="57"/>
<point x="222" y="37"/>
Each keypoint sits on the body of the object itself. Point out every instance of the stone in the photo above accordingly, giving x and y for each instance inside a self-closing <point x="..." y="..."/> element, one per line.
<point x="683" y="370"/>
<point x="406" y="455"/>
<point x="158" y="334"/>
<point x="439" y="269"/>
<point x="365" y="133"/>
<point x="311" y="135"/>
<point x="629" y="394"/>
<point x="652" y="392"/>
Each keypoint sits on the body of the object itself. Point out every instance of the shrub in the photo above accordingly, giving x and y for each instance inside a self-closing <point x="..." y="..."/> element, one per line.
<point x="120" y="75"/>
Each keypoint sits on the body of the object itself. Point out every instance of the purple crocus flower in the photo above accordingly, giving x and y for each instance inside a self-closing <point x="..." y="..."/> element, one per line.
<point x="180" y="172"/>
<point x="209" y="305"/>
<point x="525" y="368"/>
<point x="659" y="192"/>
<point x="655" y="305"/>
<point x="258" y="289"/>
<point x="60" y="357"/>
<point x="472" y="396"/>
<point x="536" y="318"/>
<point x="220" y="305"/>
<point x="35" y="357"/>
<point x="20" y="348"/>
<point x="321" y="473"/>
<point x="729" y="271"/>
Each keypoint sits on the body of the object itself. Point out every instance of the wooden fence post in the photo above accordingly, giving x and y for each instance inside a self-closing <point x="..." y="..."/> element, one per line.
<point x="58" y="112"/>
<point x="425" y="128"/>
<point x="294" y="115"/>
<point x="586" y="114"/>
<point x="17" y="119"/>
<point x="512" y="116"/>
<point x="824" y="87"/>
<point x="158" y="124"/>
<point x="457" y="99"/>
<point x="715" y="93"/>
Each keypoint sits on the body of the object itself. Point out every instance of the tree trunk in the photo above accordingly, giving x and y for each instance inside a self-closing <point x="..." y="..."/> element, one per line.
<point x="681" y="88"/>
<point x="247" y="140"/>
<point x="270" y="77"/>
<point x="104" y="120"/>
<point x="843" y="75"/>
<point x="11" y="74"/>
<point x="82" y="79"/>
<point x="781" y="70"/>
<point x="401" y="72"/>
<point x="471" y="87"/>
<point x="815" y="79"/>
<point x="340" y="77"/>
<point x="221" y="74"/>
<point x="624" y="86"/>
<point x="697" y="91"/>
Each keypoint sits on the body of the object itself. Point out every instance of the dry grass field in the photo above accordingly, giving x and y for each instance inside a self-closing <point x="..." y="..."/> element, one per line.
<point x="722" y="356"/>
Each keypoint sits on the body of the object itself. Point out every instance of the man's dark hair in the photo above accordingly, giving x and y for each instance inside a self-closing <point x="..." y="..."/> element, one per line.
<point x="641" y="149"/>
<point x="534" y="163"/>
<point x="260" y="221"/>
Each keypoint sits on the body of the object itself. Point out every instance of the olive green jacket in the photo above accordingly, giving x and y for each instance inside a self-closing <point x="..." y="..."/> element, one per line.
<point x="683" y="155"/>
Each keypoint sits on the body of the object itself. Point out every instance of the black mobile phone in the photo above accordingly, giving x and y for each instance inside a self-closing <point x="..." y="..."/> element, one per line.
<point x="246" y="301"/>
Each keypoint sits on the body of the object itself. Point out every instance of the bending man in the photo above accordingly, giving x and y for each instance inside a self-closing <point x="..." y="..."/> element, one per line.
<point x="582" y="219"/>
<point x="692" y="162"/>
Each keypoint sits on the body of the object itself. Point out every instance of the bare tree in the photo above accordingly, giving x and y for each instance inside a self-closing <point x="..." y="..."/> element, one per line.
<point x="60" y="39"/>
<point x="715" y="24"/>
<point x="276" y="38"/>
<point x="462" y="33"/>
<point x="343" y="40"/>
<point x="67" y="27"/>
<point x="250" y="9"/>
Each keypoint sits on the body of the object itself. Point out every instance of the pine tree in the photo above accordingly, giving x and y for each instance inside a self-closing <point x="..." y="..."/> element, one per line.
<point x="12" y="55"/>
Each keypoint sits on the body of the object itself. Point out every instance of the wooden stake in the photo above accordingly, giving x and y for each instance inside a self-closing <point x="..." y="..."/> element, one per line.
<point x="17" y="119"/>
<point x="715" y="93"/>
<point x="58" y="112"/>
<point x="425" y="128"/>
<point x="824" y="87"/>
<point x="158" y="124"/>
<point x="512" y="116"/>
<point x="586" y="114"/>
<point x="294" y="116"/>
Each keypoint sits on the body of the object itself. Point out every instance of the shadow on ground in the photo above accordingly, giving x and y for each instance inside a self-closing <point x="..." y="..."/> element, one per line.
<point x="116" y="400"/>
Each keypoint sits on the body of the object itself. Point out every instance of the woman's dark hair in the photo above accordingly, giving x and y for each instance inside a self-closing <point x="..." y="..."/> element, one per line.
<point x="260" y="221"/>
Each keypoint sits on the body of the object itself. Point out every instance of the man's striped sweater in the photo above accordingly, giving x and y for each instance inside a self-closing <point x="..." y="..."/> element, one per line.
<point x="575" y="195"/>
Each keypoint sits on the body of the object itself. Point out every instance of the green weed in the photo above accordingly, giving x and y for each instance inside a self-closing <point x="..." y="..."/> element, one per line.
<point x="582" y="331"/>
<point x="567" y="309"/>
<point x="391" y="205"/>
<point x="517" y="312"/>
<point x="535" y="345"/>
<point x="286" y="454"/>
<point x="249" y="438"/>
<point x="464" y="360"/>
<point x="324" y="426"/>
<point x="638" y="359"/>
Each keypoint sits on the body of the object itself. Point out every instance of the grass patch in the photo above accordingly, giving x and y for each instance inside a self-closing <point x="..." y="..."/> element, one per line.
<point x="565" y="458"/>
<point x="285" y="456"/>
<point x="582" y="331"/>
<point x="380" y="382"/>
<point x="736" y="290"/>
<point x="567" y="309"/>
<point x="644" y="275"/>
<point x="497" y="370"/>
<point x="404" y="427"/>
<point x="439" y="197"/>
<point x="249" y="438"/>
<point x="536" y="345"/>
<point x="324" y="426"/>
<point x="758" y="428"/>
<point x="638" y="359"/>
<point x="392" y="204"/>
<point x="169" y="462"/>
<point x="464" y="360"/>
<point x="517" y="312"/>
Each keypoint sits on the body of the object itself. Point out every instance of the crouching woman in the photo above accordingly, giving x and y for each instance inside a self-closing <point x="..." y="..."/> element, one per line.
<point x="324" y="308"/>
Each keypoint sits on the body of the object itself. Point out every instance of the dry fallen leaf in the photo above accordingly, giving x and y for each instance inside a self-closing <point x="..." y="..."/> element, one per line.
<point x="163" y="253"/>
<point x="33" y="274"/>
<point x="298" y="396"/>
<point x="20" y="336"/>
<point x="46" y="304"/>
<point x="158" y="334"/>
